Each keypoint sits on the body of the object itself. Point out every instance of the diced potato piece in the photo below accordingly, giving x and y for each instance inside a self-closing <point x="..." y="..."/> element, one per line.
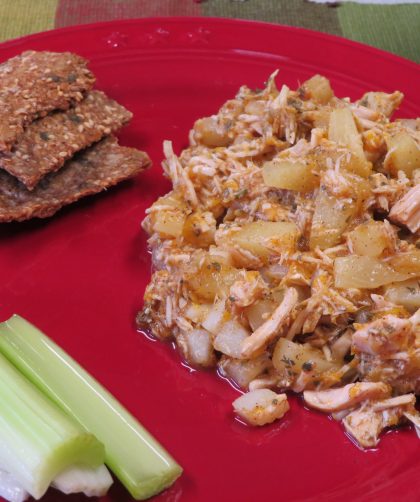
<point x="256" y="237"/>
<point x="209" y="132"/>
<point x="364" y="272"/>
<point x="169" y="222"/>
<point x="215" y="317"/>
<point x="259" y="312"/>
<point x="199" y="229"/>
<point x="342" y="130"/>
<point x="243" y="372"/>
<point x="318" y="88"/>
<point x="290" y="174"/>
<point x="406" y="293"/>
<point x="261" y="406"/>
<point x="197" y="312"/>
<point x="403" y="155"/>
<point x="407" y="263"/>
<point x="211" y="280"/>
<point x="199" y="348"/>
<point x="330" y="220"/>
<point x="295" y="357"/>
<point x="229" y="339"/>
<point x="369" y="239"/>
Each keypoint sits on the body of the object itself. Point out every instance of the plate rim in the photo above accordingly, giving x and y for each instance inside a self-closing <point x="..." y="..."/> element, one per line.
<point x="352" y="44"/>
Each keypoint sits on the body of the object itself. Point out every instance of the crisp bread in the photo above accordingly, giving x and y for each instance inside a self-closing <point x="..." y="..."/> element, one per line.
<point x="91" y="171"/>
<point x="35" y="83"/>
<point x="48" y="142"/>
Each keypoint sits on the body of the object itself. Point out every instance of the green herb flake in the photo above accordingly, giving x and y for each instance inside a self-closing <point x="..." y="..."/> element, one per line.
<point x="297" y="105"/>
<point x="216" y="266"/>
<point x="44" y="136"/>
<point x="287" y="361"/>
<point x="307" y="366"/>
<point x="75" y="118"/>
<point x="55" y="78"/>
<point x="241" y="193"/>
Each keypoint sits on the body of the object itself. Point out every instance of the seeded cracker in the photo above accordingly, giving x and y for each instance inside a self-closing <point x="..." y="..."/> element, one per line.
<point x="48" y="142"/>
<point x="35" y="83"/>
<point x="103" y="165"/>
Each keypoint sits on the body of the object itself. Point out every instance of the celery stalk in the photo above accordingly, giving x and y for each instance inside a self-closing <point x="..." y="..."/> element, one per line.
<point x="93" y="482"/>
<point x="10" y="489"/>
<point x="134" y="456"/>
<point x="37" y="440"/>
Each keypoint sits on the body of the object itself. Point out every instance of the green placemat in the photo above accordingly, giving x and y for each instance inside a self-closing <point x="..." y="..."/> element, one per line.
<point x="394" y="28"/>
<point x="21" y="17"/>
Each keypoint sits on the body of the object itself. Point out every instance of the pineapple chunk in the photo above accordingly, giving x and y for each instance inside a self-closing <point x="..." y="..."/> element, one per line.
<point x="369" y="239"/>
<point x="212" y="279"/>
<point x="364" y="272"/>
<point x="259" y="236"/>
<point x="342" y="130"/>
<point x="199" y="229"/>
<point x="330" y="220"/>
<point x="319" y="89"/>
<point x="291" y="355"/>
<point x="290" y="175"/>
<point x="169" y="221"/>
<point x="403" y="155"/>
<point x="405" y="293"/>
<point x="407" y="263"/>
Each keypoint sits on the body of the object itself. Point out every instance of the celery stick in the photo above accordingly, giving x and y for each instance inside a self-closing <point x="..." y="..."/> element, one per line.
<point x="93" y="482"/>
<point x="134" y="456"/>
<point x="10" y="489"/>
<point x="37" y="440"/>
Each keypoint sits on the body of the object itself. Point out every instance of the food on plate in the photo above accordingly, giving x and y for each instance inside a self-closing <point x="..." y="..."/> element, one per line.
<point x="287" y="254"/>
<point x="47" y="143"/>
<point x="101" y="166"/>
<point x="52" y="124"/>
<point x="131" y="453"/>
<point x="36" y="83"/>
<point x="406" y="211"/>
<point x="39" y="444"/>
<point x="261" y="406"/>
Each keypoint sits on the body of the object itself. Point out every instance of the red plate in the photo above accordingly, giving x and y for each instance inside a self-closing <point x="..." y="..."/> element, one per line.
<point x="80" y="275"/>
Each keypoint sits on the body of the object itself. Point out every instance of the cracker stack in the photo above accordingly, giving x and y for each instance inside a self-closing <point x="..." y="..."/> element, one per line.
<point x="56" y="136"/>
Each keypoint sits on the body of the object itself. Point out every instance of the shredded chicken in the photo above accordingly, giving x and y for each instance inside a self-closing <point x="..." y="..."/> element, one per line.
<point x="252" y="345"/>
<point x="287" y="255"/>
<point x="345" y="397"/>
<point x="365" y="424"/>
<point x="407" y="210"/>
